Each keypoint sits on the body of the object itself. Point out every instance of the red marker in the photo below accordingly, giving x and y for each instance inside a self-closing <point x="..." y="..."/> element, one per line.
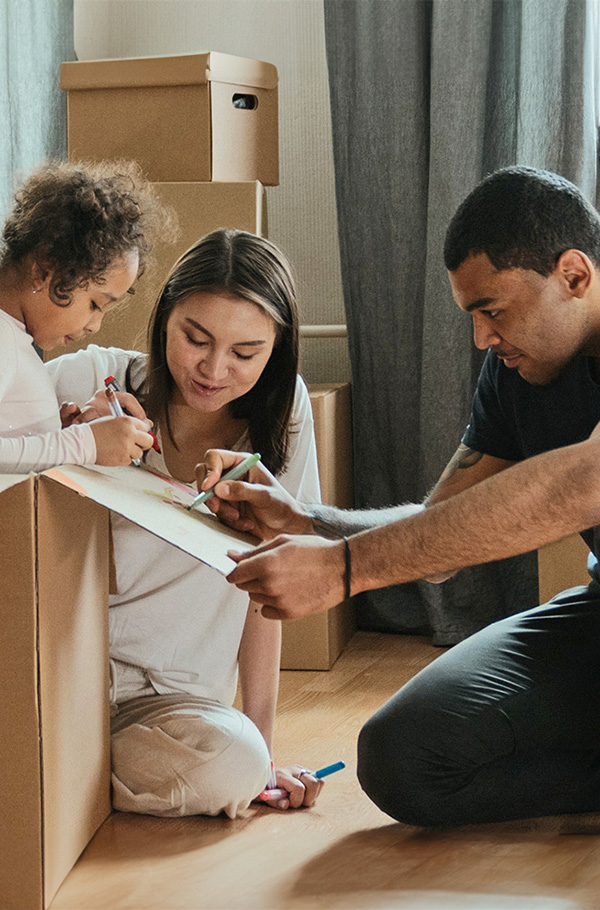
<point x="111" y="383"/>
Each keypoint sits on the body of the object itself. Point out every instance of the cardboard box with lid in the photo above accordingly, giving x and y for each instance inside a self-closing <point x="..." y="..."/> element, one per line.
<point x="188" y="117"/>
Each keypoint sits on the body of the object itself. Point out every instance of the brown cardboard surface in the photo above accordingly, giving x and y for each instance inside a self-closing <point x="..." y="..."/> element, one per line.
<point x="232" y="156"/>
<point x="21" y="828"/>
<point x="332" y="414"/>
<point x="562" y="565"/>
<point x="315" y="643"/>
<point x="173" y="69"/>
<point x="73" y="666"/>
<point x="54" y="751"/>
<point x="175" y="115"/>
<point x="200" y="209"/>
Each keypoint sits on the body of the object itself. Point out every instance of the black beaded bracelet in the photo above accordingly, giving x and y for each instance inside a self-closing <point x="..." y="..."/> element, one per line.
<point x="348" y="571"/>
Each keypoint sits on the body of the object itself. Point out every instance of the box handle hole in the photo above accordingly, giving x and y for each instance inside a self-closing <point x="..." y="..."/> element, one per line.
<point x="244" y="102"/>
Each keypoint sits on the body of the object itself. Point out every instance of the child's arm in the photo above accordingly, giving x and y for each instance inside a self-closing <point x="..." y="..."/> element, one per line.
<point x="259" y="659"/>
<point x="31" y="438"/>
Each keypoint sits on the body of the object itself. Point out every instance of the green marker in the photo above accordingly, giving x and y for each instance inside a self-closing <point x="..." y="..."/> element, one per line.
<point x="234" y="474"/>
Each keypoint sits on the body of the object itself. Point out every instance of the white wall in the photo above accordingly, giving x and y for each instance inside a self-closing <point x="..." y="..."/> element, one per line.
<point x="290" y="34"/>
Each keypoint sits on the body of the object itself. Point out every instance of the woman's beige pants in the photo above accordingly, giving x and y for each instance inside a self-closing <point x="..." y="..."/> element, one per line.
<point x="181" y="755"/>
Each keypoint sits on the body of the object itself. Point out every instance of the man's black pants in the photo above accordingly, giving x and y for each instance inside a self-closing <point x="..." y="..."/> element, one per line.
<point x="504" y="725"/>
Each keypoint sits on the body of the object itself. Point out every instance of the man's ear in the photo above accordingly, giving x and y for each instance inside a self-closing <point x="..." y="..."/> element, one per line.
<point x="577" y="272"/>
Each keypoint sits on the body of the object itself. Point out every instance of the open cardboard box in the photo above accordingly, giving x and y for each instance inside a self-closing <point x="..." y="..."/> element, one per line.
<point x="191" y="117"/>
<point x="54" y="711"/>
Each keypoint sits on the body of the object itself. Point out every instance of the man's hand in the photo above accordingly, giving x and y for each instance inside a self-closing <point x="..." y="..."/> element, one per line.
<point x="261" y="507"/>
<point x="292" y="576"/>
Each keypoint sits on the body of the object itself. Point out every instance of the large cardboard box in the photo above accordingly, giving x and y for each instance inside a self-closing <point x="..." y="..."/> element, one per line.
<point x="54" y="710"/>
<point x="191" y="117"/>
<point x="316" y="642"/>
<point x="54" y="713"/>
<point x="200" y="208"/>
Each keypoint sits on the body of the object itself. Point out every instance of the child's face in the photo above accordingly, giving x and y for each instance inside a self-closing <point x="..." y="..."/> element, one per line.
<point x="217" y="348"/>
<point x="52" y="325"/>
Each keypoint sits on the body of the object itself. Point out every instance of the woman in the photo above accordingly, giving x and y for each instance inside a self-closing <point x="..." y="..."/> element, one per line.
<point x="221" y="372"/>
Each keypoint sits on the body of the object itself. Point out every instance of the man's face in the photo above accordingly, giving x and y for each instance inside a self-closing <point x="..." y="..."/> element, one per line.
<point x="535" y="325"/>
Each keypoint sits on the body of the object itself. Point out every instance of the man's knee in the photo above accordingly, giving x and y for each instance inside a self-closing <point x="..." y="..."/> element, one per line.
<point x="411" y="762"/>
<point x="388" y="772"/>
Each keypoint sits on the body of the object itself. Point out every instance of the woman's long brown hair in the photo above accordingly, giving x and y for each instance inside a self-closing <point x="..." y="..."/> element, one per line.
<point x="242" y="265"/>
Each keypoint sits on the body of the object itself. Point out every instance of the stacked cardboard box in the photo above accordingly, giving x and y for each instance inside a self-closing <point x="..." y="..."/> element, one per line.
<point x="204" y="129"/>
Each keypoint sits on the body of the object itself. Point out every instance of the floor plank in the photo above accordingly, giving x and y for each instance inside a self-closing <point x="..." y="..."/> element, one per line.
<point x="343" y="854"/>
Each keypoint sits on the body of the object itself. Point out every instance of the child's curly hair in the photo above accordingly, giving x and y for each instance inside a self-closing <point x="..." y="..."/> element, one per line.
<point x="78" y="218"/>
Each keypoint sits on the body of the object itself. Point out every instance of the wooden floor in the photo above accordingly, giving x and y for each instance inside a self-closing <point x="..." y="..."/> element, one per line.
<point x="343" y="853"/>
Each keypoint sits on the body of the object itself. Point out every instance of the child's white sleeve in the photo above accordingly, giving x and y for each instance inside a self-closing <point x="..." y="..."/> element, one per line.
<point x="30" y="434"/>
<point x="22" y="454"/>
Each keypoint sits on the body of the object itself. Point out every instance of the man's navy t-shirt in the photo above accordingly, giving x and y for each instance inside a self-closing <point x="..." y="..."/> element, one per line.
<point x="513" y="419"/>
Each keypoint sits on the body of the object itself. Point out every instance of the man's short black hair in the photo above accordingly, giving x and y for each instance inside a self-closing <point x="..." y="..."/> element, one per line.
<point x="521" y="217"/>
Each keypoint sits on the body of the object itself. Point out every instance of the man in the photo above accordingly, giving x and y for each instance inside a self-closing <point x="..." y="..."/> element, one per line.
<point x="504" y="725"/>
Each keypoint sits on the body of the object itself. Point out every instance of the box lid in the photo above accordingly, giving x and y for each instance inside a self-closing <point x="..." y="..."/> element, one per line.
<point x="180" y="69"/>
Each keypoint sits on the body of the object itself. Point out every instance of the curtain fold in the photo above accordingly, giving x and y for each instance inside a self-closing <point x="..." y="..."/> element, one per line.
<point x="427" y="97"/>
<point x="36" y="36"/>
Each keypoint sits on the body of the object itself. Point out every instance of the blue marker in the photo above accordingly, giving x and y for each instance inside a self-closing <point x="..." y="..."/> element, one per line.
<point x="329" y="769"/>
<point x="279" y="793"/>
<point x="235" y="472"/>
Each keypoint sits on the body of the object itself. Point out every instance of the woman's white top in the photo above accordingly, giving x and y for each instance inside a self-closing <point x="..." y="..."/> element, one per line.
<point x="175" y="624"/>
<point x="31" y="438"/>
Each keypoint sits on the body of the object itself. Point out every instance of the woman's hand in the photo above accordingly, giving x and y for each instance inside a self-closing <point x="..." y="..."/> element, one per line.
<point x="260" y="506"/>
<point x="301" y="787"/>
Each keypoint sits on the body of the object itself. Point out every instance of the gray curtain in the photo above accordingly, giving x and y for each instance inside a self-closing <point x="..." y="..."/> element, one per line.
<point x="427" y="97"/>
<point x="35" y="37"/>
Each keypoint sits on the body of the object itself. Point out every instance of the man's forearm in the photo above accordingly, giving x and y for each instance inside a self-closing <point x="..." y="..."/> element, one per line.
<point x="524" y="507"/>
<point x="330" y="521"/>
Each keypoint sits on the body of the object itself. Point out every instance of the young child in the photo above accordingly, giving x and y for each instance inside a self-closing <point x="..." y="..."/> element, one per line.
<point x="222" y="372"/>
<point x="76" y="239"/>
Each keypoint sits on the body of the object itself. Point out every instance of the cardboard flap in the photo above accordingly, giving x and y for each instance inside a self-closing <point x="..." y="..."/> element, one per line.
<point x="10" y="480"/>
<point x="180" y="69"/>
<point x="158" y="504"/>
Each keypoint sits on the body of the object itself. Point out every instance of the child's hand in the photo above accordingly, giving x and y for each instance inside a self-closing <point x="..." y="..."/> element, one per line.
<point x="302" y="788"/>
<point x="69" y="412"/>
<point x="120" y="439"/>
<point x="98" y="407"/>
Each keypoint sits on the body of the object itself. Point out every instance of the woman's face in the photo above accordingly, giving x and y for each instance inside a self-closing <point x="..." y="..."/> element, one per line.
<point x="217" y="348"/>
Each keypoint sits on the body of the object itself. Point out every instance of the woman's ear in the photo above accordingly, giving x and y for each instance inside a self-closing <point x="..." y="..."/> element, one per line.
<point x="577" y="272"/>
